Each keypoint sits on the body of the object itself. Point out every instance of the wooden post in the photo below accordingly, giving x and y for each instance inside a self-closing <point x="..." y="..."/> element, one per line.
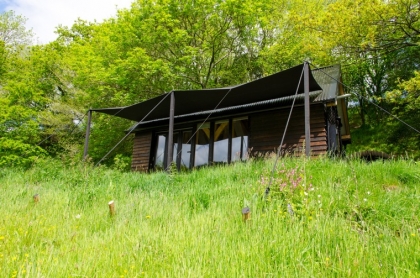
<point x="171" y="133"/>
<point x="246" y="212"/>
<point x="85" y="152"/>
<point x="36" y="198"/>
<point x="307" y="109"/>
<point x="111" y="206"/>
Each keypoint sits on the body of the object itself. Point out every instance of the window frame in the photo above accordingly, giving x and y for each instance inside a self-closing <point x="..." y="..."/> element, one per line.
<point x="194" y="130"/>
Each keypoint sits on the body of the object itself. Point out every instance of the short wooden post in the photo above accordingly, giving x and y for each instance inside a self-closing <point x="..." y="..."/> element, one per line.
<point x="246" y="212"/>
<point x="111" y="206"/>
<point x="36" y="198"/>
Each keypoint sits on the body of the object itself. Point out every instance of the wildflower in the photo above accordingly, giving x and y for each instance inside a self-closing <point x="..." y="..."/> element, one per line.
<point x="368" y="193"/>
<point x="1" y="237"/>
<point x="413" y="234"/>
<point x="78" y="216"/>
<point x="148" y="216"/>
<point x="365" y="200"/>
<point x="26" y="255"/>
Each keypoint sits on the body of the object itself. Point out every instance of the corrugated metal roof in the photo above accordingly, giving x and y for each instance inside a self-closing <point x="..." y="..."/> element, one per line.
<point x="312" y="95"/>
<point x="328" y="78"/>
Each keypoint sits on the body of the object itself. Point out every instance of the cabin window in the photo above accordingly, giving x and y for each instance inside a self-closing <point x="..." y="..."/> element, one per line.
<point x="175" y="147"/>
<point x="160" y="152"/>
<point x="221" y="142"/>
<point x="214" y="142"/>
<point x="202" y="145"/>
<point x="181" y="150"/>
<point x="183" y="156"/>
<point x="239" y="139"/>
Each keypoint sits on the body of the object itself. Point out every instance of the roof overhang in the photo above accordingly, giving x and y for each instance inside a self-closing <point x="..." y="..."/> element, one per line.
<point x="329" y="78"/>
<point x="245" y="109"/>
<point x="279" y="85"/>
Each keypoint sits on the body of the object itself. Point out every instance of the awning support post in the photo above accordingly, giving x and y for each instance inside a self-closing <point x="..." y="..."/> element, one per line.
<point x="170" y="133"/>
<point x="85" y="151"/>
<point x="307" y="109"/>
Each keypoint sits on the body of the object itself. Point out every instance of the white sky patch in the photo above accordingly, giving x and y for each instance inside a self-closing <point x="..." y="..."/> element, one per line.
<point x="45" y="15"/>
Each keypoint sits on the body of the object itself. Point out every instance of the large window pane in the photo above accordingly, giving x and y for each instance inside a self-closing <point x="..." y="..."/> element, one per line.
<point x="175" y="148"/>
<point x="240" y="139"/>
<point x="160" y="153"/>
<point x="186" y="149"/>
<point x="202" y="142"/>
<point x="221" y="142"/>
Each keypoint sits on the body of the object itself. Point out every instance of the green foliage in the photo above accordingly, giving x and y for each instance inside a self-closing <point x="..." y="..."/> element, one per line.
<point x="15" y="153"/>
<point x="122" y="163"/>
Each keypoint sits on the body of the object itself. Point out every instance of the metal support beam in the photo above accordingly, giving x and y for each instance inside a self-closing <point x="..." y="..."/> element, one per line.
<point x="307" y="110"/>
<point x="85" y="152"/>
<point x="171" y="133"/>
<point x="230" y="140"/>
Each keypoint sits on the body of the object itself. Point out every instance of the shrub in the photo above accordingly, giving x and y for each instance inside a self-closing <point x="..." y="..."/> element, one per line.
<point x="16" y="153"/>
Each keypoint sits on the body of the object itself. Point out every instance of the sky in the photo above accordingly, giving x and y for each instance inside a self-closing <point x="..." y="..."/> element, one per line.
<point x="43" y="16"/>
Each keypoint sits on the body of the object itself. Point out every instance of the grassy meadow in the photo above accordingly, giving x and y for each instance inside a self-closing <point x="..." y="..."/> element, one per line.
<point x="322" y="218"/>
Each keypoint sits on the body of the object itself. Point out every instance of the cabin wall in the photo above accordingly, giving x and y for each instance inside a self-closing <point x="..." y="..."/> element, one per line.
<point x="266" y="131"/>
<point x="141" y="151"/>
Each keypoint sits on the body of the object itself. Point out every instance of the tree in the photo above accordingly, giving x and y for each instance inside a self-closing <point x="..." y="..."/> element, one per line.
<point x="13" y="31"/>
<point x="31" y="118"/>
<point x="206" y="43"/>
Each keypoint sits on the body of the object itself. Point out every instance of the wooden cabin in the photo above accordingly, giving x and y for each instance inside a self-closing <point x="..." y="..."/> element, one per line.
<point x="224" y="125"/>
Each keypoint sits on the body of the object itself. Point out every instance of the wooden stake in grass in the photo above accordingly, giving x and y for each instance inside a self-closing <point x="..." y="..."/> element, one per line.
<point x="111" y="206"/>
<point x="36" y="198"/>
<point x="246" y="213"/>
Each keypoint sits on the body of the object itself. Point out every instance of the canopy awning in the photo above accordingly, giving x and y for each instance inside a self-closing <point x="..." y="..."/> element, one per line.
<point x="281" y="84"/>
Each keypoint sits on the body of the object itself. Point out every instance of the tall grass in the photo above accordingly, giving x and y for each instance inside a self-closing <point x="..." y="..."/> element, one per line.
<point x="350" y="219"/>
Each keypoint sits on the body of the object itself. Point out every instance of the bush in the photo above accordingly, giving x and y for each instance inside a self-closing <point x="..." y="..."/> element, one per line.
<point x="15" y="153"/>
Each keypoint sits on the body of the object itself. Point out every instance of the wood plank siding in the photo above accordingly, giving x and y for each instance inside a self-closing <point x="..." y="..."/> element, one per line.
<point x="141" y="151"/>
<point x="266" y="131"/>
